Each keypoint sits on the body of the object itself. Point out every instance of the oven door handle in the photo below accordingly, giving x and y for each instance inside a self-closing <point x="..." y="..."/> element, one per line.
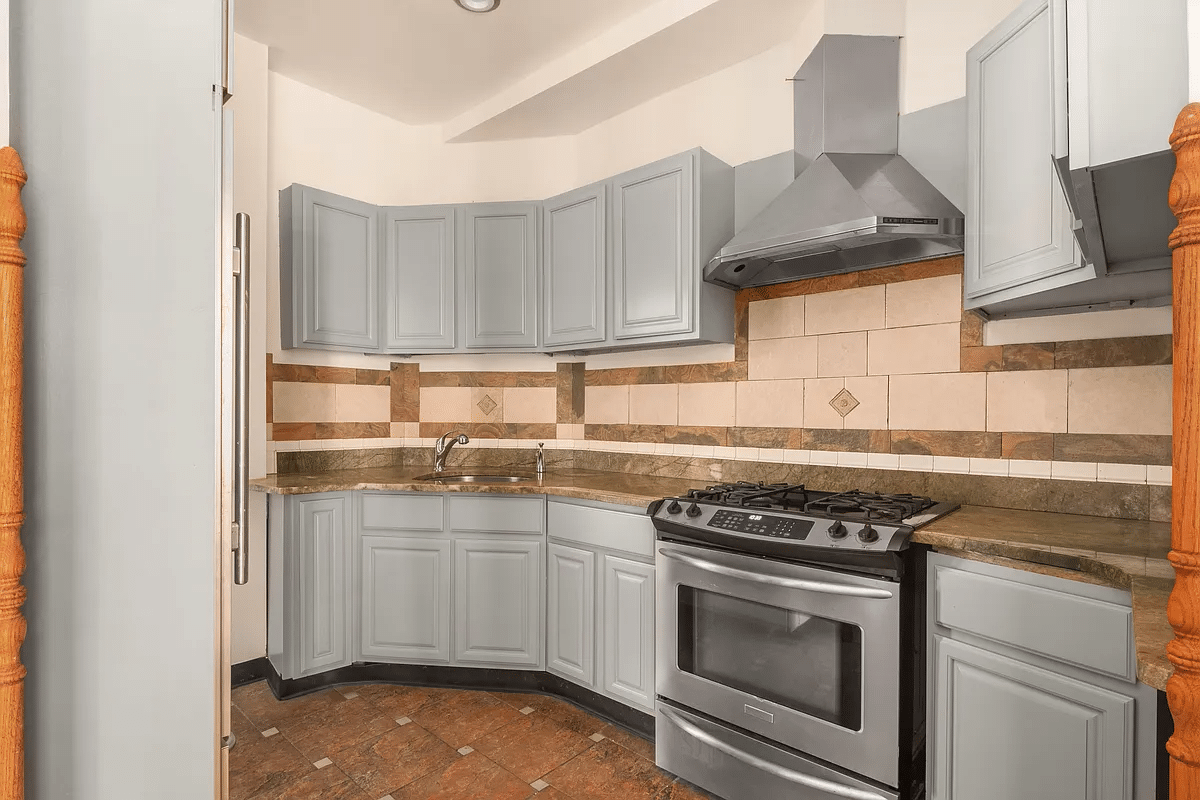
<point x="776" y="580"/>
<point x="790" y="775"/>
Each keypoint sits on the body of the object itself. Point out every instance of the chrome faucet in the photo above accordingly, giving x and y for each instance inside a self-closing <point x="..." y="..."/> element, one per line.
<point x="540" y="459"/>
<point x="443" y="447"/>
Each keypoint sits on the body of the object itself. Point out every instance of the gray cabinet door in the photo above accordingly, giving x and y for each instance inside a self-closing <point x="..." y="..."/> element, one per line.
<point x="628" y="622"/>
<point x="575" y="266"/>
<point x="500" y="274"/>
<point x="329" y="264"/>
<point x="418" y="278"/>
<point x="405" y="598"/>
<point x="1003" y="729"/>
<point x="1019" y="236"/>
<point x="571" y="613"/>
<point x="324" y="620"/>
<point x="498" y="591"/>
<point x="654" y="259"/>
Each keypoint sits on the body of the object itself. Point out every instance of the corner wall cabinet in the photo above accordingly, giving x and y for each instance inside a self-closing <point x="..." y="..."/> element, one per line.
<point x="575" y="267"/>
<point x="500" y="261"/>
<point x="1032" y="688"/>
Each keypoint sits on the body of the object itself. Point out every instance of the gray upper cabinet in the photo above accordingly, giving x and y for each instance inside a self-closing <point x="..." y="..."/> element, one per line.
<point x="324" y="533"/>
<point x="669" y="218"/>
<point x="571" y="613"/>
<point x="575" y="266"/>
<point x="498" y="596"/>
<point x="329" y="271"/>
<point x="500" y="262"/>
<point x="419" y="278"/>
<point x="628" y="622"/>
<point x="1019" y="235"/>
<point x="405" y="598"/>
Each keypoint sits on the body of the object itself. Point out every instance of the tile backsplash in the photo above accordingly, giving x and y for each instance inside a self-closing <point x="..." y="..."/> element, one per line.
<point x="878" y="369"/>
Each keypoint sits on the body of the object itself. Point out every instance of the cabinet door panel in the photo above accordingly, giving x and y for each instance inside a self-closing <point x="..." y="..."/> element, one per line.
<point x="406" y="598"/>
<point x="1004" y="729"/>
<point x="575" y="264"/>
<point x="340" y="270"/>
<point x="654" y="249"/>
<point x="323" y="585"/>
<point x="1018" y="223"/>
<point x="571" y="613"/>
<point x="629" y="631"/>
<point x="418" y="268"/>
<point x="498" y="602"/>
<point x="501" y="265"/>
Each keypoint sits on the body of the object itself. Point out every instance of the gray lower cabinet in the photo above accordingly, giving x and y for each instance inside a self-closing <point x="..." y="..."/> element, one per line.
<point x="628" y="623"/>
<point x="498" y="601"/>
<point x="1032" y="690"/>
<point x="329" y="271"/>
<point x="500" y="263"/>
<point x="405" y="598"/>
<point x="575" y="267"/>
<point x="419" y="278"/>
<point x="571" y="613"/>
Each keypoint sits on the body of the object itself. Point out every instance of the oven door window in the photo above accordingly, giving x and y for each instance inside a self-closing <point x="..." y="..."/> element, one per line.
<point x="807" y="663"/>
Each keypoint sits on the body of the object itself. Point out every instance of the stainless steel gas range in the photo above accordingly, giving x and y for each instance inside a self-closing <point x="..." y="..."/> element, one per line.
<point x="789" y="655"/>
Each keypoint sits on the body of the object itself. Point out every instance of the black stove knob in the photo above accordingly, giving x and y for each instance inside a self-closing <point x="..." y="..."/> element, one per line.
<point x="693" y="510"/>
<point x="868" y="534"/>
<point x="837" y="531"/>
<point x="674" y="508"/>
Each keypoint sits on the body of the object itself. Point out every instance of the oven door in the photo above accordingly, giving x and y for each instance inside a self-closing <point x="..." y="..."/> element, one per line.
<point x="805" y="657"/>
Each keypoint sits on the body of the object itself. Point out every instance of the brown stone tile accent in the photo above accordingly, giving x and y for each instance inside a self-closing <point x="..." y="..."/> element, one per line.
<point x="270" y="432"/>
<point x="303" y="373"/>
<point x="1113" y="448"/>
<point x="761" y="437"/>
<point x="293" y="431"/>
<point x="741" y="326"/>
<point x="970" y="330"/>
<point x="270" y="389"/>
<point x="1029" y="356"/>
<point x="718" y="437"/>
<point x="879" y="441"/>
<point x="372" y="377"/>
<point x="625" y="376"/>
<point x="301" y="431"/>
<point x="489" y="379"/>
<point x="705" y="373"/>
<point x="1027" y="446"/>
<point x="570" y="396"/>
<point x="1134" y="351"/>
<point x="981" y="359"/>
<point x="540" y="431"/>
<point x="406" y="392"/>
<point x="626" y="433"/>
<point x="828" y="439"/>
<point x="964" y="444"/>
<point x="852" y="280"/>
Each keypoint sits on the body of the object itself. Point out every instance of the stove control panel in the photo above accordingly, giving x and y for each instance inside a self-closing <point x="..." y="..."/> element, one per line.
<point x="761" y="524"/>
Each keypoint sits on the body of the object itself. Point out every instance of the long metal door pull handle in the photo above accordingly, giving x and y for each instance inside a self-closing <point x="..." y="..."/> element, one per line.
<point x="241" y="445"/>
<point x="776" y="580"/>
<point x="790" y="775"/>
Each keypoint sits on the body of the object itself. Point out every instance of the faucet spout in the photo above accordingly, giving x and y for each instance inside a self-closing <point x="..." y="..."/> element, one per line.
<point x="442" y="448"/>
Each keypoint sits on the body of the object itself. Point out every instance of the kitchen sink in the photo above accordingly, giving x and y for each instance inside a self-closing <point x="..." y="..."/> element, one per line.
<point x="460" y="477"/>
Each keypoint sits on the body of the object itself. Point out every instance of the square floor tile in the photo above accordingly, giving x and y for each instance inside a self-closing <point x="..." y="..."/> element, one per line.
<point x="393" y="760"/>
<point x="464" y="717"/>
<point x="340" y="725"/>
<point x="471" y="778"/>
<point x="607" y="770"/>
<point x="532" y="746"/>
<point x="260" y="706"/>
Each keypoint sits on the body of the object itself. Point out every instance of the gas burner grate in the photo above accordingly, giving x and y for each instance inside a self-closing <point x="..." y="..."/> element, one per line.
<point x="781" y="496"/>
<point x="856" y="505"/>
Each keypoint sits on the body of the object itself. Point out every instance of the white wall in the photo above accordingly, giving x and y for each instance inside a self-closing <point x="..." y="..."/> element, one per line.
<point x="113" y="114"/>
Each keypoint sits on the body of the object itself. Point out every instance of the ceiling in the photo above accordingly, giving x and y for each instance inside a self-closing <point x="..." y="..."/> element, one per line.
<point x="530" y="68"/>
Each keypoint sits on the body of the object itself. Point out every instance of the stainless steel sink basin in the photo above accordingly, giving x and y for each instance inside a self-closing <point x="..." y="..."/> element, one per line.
<point x="460" y="477"/>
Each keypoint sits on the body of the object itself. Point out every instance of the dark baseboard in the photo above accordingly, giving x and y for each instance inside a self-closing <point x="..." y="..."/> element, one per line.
<point x="498" y="680"/>
<point x="249" y="671"/>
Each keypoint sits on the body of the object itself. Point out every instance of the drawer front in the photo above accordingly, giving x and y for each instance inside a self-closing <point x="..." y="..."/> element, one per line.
<point x="403" y="512"/>
<point x="501" y="514"/>
<point x="599" y="527"/>
<point x="1087" y="632"/>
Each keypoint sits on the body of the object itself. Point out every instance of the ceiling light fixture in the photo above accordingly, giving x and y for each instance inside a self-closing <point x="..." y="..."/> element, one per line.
<point x="479" y="6"/>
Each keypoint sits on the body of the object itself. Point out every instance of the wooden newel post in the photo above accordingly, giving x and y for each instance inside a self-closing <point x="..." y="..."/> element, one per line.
<point x="12" y="556"/>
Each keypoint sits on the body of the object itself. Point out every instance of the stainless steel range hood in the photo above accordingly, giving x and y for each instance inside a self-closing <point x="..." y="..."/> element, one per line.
<point x="856" y="204"/>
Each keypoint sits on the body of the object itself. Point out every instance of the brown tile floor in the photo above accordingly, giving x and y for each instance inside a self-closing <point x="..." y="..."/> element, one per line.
<point x="414" y="743"/>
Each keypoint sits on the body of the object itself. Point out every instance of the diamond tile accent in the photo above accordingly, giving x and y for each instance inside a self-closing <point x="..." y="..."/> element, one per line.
<point x="527" y="710"/>
<point x="487" y="405"/>
<point x="539" y="784"/>
<point x="269" y="732"/>
<point x="322" y="764"/>
<point x="350" y="695"/>
<point x="597" y="737"/>
<point x="466" y="751"/>
<point x="843" y="402"/>
<point x="403" y="720"/>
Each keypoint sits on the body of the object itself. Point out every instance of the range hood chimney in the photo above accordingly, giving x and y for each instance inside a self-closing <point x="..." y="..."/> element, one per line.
<point x="856" y="204"/>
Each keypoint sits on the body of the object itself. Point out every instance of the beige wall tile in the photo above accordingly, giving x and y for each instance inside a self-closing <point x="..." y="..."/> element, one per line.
<point x="487" y="404"/>
<point x="770" y="404"/>
<point x="362" y="403"/>
<point x="777" y="319"/>
<point x="654" y="404"/>
<point x="872" y="410"/>
<point x="924" y="302"/>
<point x="303" y="402"/>
<point x="445" y="404"/>
<point x="606" y="405"/>
<point x="817" y="411"/>
<point x="783" y="358"/>
<point x="1119" y="400"/>
<point x="953" y="402"/>
<point x="907" y="351"/>
<point x="841" y="354"/>
<point x="530" y="404"/>
<point x="707" y="404"/>
<point x="1027" y="401"/>
<point x="846" y="310"/>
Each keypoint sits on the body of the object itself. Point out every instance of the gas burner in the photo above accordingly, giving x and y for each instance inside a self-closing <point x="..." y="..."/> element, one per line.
<point x="856" y="505"/>
<point x="781" y="496"/>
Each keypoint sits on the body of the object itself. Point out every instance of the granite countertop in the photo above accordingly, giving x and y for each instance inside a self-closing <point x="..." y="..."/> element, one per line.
<point x="1128" y="554"/>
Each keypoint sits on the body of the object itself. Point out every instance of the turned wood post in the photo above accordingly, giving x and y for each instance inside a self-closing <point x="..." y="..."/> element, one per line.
<point x="1183" y="609"/>
<point x="12" y="556"/>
